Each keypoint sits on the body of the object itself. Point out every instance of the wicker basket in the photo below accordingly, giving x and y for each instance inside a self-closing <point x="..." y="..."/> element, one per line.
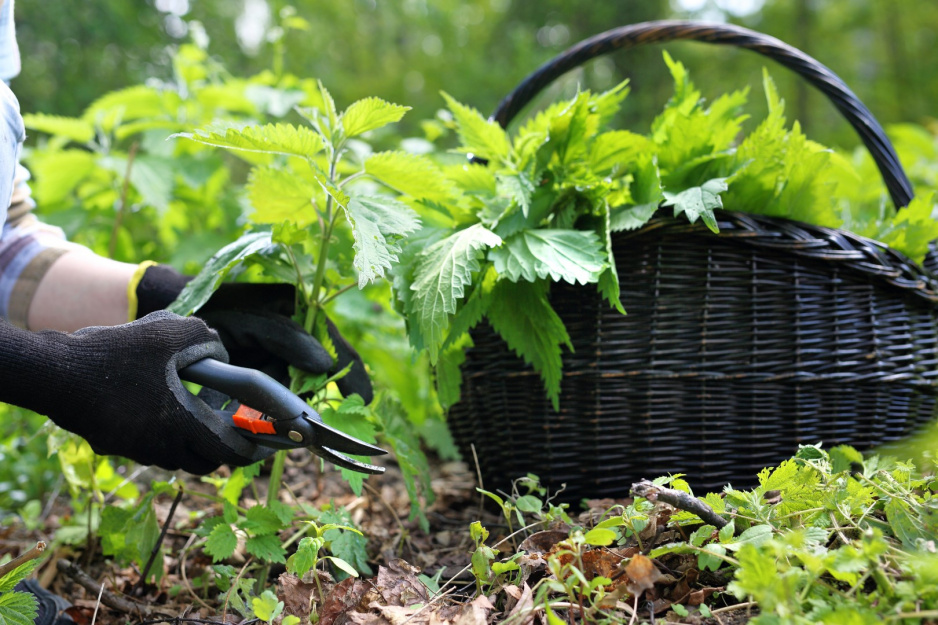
<point x="736" y="348"/>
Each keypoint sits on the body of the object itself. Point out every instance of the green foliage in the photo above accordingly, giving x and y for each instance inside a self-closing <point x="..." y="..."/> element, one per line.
<point x="16" y="607"/>
<point x="545" y="206"/>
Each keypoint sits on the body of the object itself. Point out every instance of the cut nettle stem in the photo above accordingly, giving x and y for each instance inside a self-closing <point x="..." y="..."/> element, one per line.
<point x="680" y="500"/>
<point x="21" y="559"/>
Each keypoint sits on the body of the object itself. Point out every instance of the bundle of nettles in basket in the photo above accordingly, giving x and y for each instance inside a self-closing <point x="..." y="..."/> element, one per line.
<point x="553" y="193"/>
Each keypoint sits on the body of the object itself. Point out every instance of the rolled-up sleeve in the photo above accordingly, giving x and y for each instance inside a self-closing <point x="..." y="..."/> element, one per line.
<point x="27" y="247"/>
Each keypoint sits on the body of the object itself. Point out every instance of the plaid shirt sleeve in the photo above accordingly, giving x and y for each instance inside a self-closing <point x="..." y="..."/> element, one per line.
<point x="27" y="247"/>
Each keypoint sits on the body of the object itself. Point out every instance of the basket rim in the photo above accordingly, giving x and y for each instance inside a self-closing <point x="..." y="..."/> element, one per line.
<point x="820" y="243"/>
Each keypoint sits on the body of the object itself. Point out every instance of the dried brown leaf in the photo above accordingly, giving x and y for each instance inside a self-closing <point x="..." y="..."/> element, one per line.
<point x="476" y="613"/>
<point x="349" y="595"/>
<point x="521" y="610"/>
<point x="542" y="542"/>
<point x="398" y="584"/>
<point x="643" y="574"/>
<point x="297" y="596"/>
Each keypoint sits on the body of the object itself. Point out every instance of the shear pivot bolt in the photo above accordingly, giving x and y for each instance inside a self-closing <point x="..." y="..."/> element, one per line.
<point x="295" y="436"/>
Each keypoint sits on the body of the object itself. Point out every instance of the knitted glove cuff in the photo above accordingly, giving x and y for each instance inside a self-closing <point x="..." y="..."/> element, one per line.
<point x="156" y="288"/>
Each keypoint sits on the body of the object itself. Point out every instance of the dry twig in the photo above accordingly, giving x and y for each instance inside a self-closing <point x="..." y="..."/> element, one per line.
<point x="108" y="598"/>
<point x="680" y="500"/>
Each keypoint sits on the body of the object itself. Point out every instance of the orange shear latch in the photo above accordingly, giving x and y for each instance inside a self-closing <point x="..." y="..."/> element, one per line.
<point x="252" y="420"/>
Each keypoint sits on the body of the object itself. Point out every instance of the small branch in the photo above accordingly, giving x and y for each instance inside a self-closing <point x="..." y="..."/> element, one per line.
<point x="680" y="500"/>
<point x="159" y="542"/>
<point x="108" y="598"/>
<point x="19" y="560"/>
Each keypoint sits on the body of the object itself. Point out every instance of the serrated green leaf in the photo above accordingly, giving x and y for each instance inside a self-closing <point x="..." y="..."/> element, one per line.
<point x="609" y="279"/>
<point x="617" y="149"/>
<point x="14" y="577"/>
<point x="154" y="179"/>
<point x="351" y="547"/>
<point x="76" y="129"/>
<point x="447" y="374"/>
<point x="305" y="556"/>
<point x="574" y="256"/>
<point x="58" y="174"/>
<point x="353" y="418"/>
<point x="378" y="224"/>
<point x="18" y="608"/>
<point x="522" y="316"/>
<point x="267" y="548"/>
<point x="221" y="542"/>
<point x="517" y="187"/>
<point x="271" y="138"/>
<point x="370" y="114"/>
<point x="261" y="520"/>
<point x="279" y="195"/>
<point x="479" y="136"/>
<point x="699" y="202"/>
<point x="410" y="174"/>
<point x="200" y="288"/>
<point x="443" y="271"/>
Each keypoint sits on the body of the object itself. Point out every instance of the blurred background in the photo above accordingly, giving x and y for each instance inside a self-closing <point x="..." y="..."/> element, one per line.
<point x="407" y="51"/>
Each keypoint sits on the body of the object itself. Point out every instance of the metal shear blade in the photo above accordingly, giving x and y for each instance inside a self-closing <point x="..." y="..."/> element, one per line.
<point x="274" y="417"/>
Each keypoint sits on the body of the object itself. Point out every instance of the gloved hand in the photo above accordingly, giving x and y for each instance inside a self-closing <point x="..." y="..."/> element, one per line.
<point x="118" y="387"/>
<point x="253" y="321"/>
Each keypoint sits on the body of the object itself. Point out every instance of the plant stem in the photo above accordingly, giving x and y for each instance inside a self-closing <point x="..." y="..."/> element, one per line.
<point x="314" y="301"/>
<point x="32" y="554"/>
<point x="276" y="476"/>
<point x="122" y="207"/>
<point x="159" y="541"/>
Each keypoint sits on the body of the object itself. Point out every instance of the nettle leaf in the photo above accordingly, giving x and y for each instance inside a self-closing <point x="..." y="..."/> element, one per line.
<point x="699" y="202"/>
<point x="221" y="542"/>
<point x="200" y="288"/>
<point x="479" y="136"/>
<point x="18" y="608"/>
<point x="569" y="130"/>
<point x="306" y="555"/>
<point x="279" y="195"/>
<point x="443" y="272"/>
<point x="266" y="548"/>
<point x="370" y="114"/>
<point x="521" y="314"/>
<point x="76" y="129"/>
<point x="378" y="224"/>
<point x="410" y="174"/>
<point x="261" y="520"/>
<point x="609" y="279"/>
<point x="352" y="417"/>
<point x="271" y="138"/>
<point x="574" y="256"/>
<point x="617" y="148"/>
<point x="517" y="187"/>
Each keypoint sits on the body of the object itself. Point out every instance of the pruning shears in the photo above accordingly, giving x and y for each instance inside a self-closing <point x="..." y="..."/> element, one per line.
<point x="271" y="415"/>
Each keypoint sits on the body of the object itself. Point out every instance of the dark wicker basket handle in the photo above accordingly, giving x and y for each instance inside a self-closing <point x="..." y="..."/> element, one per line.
<point x="870" y="131"/>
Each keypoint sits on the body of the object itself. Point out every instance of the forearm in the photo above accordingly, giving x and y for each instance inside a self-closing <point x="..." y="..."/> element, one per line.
<point x="81" y="289"/>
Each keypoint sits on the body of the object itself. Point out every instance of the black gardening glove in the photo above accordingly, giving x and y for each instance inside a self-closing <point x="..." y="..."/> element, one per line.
<point x="118" y="387"/>
<point x="253" y="321"/>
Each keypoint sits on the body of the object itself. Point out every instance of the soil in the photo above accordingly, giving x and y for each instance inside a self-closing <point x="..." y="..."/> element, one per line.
<point x="398" y="548"/>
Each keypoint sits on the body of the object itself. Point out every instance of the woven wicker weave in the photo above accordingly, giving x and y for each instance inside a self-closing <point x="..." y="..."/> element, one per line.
<point x="736" y="347"/>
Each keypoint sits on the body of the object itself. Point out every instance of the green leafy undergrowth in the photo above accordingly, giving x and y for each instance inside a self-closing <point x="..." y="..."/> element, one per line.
<point x="553" y="192"/>
<point x="828" y="536"/>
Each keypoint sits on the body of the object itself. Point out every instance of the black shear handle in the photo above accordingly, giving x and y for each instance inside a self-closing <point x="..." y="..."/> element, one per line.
<point x="249" y="386"/>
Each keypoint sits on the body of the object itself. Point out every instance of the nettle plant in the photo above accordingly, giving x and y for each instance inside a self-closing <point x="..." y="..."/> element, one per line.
<point x="323" y="221"/>
<point x="546" y="205"/>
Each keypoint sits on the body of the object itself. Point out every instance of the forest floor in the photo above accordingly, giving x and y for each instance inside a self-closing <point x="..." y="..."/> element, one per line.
<point x="399" y="551"/>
